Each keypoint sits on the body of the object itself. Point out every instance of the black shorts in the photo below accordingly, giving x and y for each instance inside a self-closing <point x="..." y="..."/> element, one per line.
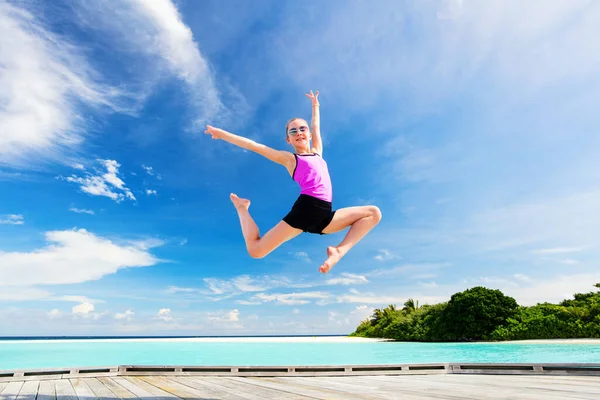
<point x="310" y="214"/>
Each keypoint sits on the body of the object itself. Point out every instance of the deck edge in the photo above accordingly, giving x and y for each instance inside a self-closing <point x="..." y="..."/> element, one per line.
<point x="581" y="369"/>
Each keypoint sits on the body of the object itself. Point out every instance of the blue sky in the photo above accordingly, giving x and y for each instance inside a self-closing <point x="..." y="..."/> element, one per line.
<point x="472" y="125"/>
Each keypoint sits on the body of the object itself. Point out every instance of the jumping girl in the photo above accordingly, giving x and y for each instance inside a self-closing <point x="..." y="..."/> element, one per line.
<point x="312" y="212"/>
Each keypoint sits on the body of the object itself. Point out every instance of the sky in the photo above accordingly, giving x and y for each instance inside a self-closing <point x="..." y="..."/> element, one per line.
<point x="473" y="126"/>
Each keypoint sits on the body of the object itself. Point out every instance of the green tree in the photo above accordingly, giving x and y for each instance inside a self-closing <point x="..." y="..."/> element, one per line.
<point x="410" y="306"/>
<point x="474" y="313"/>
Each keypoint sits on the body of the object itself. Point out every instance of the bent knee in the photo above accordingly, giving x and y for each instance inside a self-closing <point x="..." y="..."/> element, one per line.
<point x="256" y="252"/>
<point x="375" y="213"/>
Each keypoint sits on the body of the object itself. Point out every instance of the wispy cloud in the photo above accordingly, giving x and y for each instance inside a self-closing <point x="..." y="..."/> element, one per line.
<point x="384" y="255"/>
<point x="150" y="171"/>
<point x="127" y="315"/>
<point x="61" y="261"/>
<point x="107" y="184"/>
<point x="224" y="316"/>
<point x="286" y="298"/>
<point x="558" y="250"/>
<point x="81" y="211"/>
<point x="12" y="219"/>
<point x="161" y="35"/>
<point x="46" y="83"/>
<point x="347" y="279"/>
<point x="301" y="255"/>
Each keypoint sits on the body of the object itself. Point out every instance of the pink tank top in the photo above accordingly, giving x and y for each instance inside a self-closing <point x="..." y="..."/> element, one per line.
<point x="312" y="175"/>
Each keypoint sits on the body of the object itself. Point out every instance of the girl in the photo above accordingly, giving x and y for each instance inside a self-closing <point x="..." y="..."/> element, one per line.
<point x="312" y="211"/>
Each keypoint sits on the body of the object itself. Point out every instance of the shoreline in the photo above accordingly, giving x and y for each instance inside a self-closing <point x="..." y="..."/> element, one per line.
<point x="245" y="339"/>
<point x="282" y="339"/>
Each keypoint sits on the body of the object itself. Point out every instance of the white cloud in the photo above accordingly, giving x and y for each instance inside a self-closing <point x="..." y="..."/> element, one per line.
<point x="150" y="171"/>
<point x="11" y="219"/>
<point x="164" y="314"/>
<point x="348" y="279"/>
<point x="74" y="256"/>
<point x="243" y="284"/>
<point x="385" y="255"/>
<point x="19" y="293"/>
<point x="76" y="299"/>
<point x="558" y="250"/>
<point x="104" y="184"/>
<point x="45" y="82"/>
<point x="382" y="300"/>
<point x="529" y="292"/>
<point x="81" y="211"/>
<point x="177" y="289"/>
<point x="410" y="271"/>
<point x="150" y="192"/>
<point x="224" y="316"/>
<point x="160" y="35"/>
<point x="127" y="315"/>
<point x="301" y="255"/>
<point x="83" y="308"/>
<point x="55" y="313"/>
<point x="287" y="298"/>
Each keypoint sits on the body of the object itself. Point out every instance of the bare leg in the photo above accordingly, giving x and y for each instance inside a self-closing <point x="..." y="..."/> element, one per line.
<point x="360" y="219"/>
<point x="259" y="247"/>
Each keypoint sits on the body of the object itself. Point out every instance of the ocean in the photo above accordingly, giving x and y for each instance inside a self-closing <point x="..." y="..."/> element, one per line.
<point x="64" y="352"/>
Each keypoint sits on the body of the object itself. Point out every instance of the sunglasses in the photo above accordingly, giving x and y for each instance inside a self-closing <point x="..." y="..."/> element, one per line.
<point x="294" y="131"/>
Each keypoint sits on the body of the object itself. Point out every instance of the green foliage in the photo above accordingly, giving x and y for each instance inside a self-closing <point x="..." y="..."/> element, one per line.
<point x="480" y="313"/>
<point x="476" y="312"/>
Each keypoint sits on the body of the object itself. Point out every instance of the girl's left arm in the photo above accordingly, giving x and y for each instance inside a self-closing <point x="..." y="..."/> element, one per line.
<point x="316" y="123"/>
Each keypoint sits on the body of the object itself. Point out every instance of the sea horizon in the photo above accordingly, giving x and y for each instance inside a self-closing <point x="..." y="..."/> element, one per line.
<point x="62" y="337"/>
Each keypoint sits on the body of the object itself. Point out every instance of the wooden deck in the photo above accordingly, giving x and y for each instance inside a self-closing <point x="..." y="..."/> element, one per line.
<point x="372" y="387"/>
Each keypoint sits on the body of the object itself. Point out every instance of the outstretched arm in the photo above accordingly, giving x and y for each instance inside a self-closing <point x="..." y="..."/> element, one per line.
<point x="279" y="156"/>
<point x="315" y="127"/>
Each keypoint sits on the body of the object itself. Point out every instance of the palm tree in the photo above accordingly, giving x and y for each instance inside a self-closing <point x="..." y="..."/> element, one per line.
<point x="377" y="316"/>
<point x="410" y="306"/>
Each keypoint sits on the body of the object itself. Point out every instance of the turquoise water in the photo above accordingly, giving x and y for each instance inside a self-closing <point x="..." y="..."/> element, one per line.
<point x="83" y="353"/>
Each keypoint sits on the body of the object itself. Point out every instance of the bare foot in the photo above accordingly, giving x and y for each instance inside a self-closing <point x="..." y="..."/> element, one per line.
<point x="333" y="256"/>
<point x="239" y="203"/>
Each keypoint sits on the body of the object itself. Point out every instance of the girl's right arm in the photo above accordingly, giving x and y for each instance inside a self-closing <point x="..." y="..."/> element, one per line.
<point x="282" y="157"/>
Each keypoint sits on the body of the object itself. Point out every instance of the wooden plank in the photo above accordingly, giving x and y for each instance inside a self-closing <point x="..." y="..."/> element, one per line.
<point x="406" y="386"/>
<point x="81" y="388"/>
<point x="549" y="386"/>
<point x="186" y="389"/>
<point x="117" y="389"/>
<point x="253" y="391"/>
<point x="348" y="387"/>
<point x="274" y="383"/>
<point x="501" y="389"/>
<point x="132" y="387"/>
<point x="46" y="391"/>
<point x="11" y="390"/>
<point x="29" y="390"/>
<point x="144" y="387"/>
<point x="249" y="392"/>
<point x="64" y="390"/>
<point x="102" y="392"/>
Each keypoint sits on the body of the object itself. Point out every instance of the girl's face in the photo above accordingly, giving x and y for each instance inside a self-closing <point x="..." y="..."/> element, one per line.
<point x="298" y="134"/>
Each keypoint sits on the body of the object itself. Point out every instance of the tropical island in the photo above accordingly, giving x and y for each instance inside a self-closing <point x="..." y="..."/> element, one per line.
<point x="482" y="314"/>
